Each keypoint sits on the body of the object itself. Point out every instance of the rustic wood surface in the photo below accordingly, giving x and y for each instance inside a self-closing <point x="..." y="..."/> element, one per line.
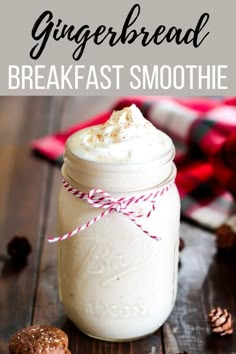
<point x="28" y="199"/>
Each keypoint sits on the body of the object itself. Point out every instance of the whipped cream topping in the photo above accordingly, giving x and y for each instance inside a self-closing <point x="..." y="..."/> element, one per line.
<point x="126" y="137"/>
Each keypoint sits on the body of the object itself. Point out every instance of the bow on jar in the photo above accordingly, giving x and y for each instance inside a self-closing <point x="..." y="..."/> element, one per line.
<point x="100" y="199"/>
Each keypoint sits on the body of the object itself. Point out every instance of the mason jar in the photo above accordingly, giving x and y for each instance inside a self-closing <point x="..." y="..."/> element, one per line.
<point x="118" y="274"/>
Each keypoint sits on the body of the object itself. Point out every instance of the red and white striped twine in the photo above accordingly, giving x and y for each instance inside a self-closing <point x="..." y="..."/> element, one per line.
<point x="97" y="198"/>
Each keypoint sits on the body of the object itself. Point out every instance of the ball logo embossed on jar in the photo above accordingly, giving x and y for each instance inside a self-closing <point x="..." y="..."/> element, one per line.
<point x="109" y="263"/>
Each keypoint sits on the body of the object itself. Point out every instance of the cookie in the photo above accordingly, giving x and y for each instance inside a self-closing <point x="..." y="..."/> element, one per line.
<point x="39" y="339"/>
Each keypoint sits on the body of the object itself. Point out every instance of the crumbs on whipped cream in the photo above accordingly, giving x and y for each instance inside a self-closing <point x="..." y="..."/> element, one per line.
<point x="125" y="137"/>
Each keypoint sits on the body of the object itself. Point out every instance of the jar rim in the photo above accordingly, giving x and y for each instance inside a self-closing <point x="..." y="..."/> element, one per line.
<point x="73" y="158"/>
<point x="117" y="177"/>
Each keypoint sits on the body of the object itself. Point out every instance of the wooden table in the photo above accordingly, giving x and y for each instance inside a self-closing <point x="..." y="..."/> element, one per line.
<point x="28" y="199"/>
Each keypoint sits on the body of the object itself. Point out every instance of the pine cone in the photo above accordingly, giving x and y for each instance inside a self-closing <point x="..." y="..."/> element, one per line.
<point x="225" y="237"/>
<point x="221" y="321"/>
<point x="19" y="248"/>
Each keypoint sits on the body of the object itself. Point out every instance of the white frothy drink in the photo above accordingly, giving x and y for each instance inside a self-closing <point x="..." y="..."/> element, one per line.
<point x="117" y="283"/>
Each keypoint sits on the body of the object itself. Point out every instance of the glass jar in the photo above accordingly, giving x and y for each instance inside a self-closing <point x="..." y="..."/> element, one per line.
<point x="116" y="282"/>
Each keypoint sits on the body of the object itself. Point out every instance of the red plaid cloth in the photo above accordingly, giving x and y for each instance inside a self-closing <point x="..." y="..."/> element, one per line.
<point x="204" y="133"/>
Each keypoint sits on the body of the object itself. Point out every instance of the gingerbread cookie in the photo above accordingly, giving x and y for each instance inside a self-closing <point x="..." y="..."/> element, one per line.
<point x="39" y="339"/>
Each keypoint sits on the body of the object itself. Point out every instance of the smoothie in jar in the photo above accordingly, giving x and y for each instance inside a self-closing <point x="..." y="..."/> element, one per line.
<point x="118" y="274"/>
